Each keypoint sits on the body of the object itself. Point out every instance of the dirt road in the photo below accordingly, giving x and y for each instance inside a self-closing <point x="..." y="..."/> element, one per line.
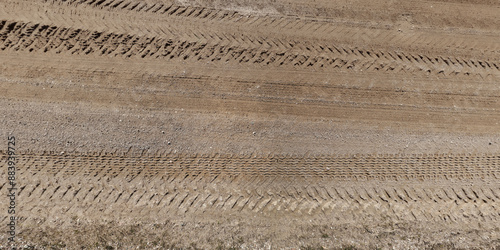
<point x="252" y="124"/>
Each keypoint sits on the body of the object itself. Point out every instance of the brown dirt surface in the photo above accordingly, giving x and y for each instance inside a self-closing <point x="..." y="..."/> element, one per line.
<point x="237" y="124"/>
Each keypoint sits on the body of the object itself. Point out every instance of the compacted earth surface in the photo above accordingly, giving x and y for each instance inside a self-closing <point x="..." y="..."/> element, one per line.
<point x="263" y="124"/>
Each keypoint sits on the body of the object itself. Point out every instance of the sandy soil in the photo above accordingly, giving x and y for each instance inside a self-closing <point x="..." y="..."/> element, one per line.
<point x="263" y="124"/>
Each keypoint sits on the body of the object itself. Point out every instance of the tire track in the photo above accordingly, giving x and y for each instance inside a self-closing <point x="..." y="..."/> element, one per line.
<point x="306" y="27"/>
<point x="190" y="193"/>
<point x="19" y="36"/>
<point x="346" y="167"/>
<point x="184" y="23"/>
